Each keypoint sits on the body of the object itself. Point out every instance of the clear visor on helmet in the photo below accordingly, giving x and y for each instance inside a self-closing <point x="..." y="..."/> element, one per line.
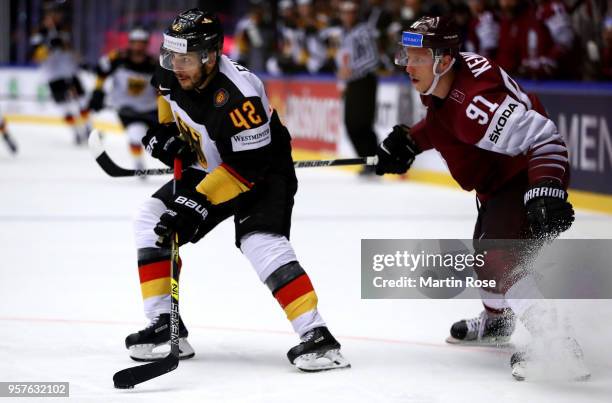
<point x="413" y="56"/>
<point x="175" y="61"/>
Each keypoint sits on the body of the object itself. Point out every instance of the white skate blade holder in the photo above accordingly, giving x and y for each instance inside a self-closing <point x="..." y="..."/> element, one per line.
<point x="315" y="362"/>
<point x="157" y="352"/>
<point x="499" y="342"/>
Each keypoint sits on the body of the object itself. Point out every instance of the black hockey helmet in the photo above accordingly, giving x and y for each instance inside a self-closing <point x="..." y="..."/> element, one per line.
<point x="193" y="30"/>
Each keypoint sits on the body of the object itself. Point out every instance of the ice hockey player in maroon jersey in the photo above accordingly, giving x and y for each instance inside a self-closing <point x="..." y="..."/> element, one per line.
<point x="498" y="141"/>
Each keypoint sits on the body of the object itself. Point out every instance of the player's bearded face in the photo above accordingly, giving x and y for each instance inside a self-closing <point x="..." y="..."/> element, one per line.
<point x="419" y="65"/>
<point x="191" y="68"/>
<point x="188" y="78"/>
<point x="187" y="69"/>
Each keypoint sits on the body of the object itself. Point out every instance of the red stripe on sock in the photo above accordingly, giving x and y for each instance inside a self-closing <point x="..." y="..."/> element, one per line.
<point x="153" y="271"/>
<point x="293" y="290"/>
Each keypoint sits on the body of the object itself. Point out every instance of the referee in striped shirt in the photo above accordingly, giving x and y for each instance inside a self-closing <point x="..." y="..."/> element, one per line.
<point x="357" y="61"/>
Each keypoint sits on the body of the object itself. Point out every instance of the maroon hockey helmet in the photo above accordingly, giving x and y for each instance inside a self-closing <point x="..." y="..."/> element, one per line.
<point x="438" y="34"/>
<point x="433" y="33"/>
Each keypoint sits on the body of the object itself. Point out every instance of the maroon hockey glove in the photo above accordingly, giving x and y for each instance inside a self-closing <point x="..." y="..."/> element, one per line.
<point x="548" y="211"/>
<point x="396" y="153"/>
<point x="162" y="142"/>
<point x="185" y="215"/>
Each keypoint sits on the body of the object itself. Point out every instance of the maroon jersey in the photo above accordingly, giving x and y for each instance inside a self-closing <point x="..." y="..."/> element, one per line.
<point x="483" y="34"/>
<point x="524" y="46"/>
<point x="489" y="131"/>
<point x="563" y="52"/>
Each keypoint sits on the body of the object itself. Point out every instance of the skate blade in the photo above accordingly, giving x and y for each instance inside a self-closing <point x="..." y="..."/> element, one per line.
<point x="499" y="342"/>
<point x="317" y="362"/>
<point x="146" y="353"/>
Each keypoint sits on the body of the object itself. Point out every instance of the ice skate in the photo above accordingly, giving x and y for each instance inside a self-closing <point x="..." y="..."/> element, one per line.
<point x="143" y="344"/>
<point x="484" y="330"/>
<point x="318" y="351"/>
<point x="559" y="358"/>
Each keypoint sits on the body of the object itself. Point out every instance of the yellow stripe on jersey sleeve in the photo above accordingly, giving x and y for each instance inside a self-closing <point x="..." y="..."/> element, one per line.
<point x="41" y="53"/>
<point x="99" y="83"/>
<point x="220" y="186"/>
<point x="164" y="112"/>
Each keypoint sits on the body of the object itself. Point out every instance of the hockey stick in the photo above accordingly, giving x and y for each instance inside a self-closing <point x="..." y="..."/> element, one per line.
<point x="10" y="143"/>
<point x="127" y="378"/>
<point x="109" y="166"/>
<point x="114" y="170"/>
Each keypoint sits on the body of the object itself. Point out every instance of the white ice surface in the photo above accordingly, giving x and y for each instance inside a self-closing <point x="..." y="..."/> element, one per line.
<point x="70" y="293"/>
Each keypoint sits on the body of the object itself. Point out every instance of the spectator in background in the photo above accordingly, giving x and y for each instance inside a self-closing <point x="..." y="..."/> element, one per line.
<point x="254" y="38"/>
<point x="524" y="42"/>
<point x="483" y="30"/>
<point x="330" y="36"/>
<point x="51" y="48"/>
<point x="587" y="20"/>
<point x="283" y="61"/>
<point x="564" y="52"/>
<point x="301" y="48"/>
<point x="462" y="16"/>
<point x="606" y="59"/>
<point x="378" y="19"/>
<point x="310" y="50"/>
<point x="411" y="11"/>
<point x="357" y="61"/>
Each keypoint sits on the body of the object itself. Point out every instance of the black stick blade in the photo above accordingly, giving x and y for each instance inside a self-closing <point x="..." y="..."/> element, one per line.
<point x="108" y="165"/>
<point x="129" y="377"/>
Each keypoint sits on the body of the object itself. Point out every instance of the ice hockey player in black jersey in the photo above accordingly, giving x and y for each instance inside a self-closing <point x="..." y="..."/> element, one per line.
<point x="214" y="114"/>
<point x="51" y="48"/>
<point x="135" y="100"/>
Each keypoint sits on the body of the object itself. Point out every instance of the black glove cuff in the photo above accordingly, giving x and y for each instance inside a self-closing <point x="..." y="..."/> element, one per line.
<point x="545" y="190"/>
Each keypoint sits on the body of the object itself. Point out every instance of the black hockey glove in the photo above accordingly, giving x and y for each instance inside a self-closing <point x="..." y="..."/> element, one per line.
<point x="548" y="211"/>
<point x="163" y="143"/>
<point x="96" y="103"/>
<point x="185" y="215"/>
<point x="396" y="153"/>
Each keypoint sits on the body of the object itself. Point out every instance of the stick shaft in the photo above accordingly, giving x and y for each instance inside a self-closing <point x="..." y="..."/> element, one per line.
<point x="174" y="273"/>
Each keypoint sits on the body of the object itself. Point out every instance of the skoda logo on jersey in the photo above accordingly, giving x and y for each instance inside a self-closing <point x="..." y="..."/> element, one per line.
<point x="412" y="39"/>
<point x="221" y="97"/>
<point x="501" y="122"/>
